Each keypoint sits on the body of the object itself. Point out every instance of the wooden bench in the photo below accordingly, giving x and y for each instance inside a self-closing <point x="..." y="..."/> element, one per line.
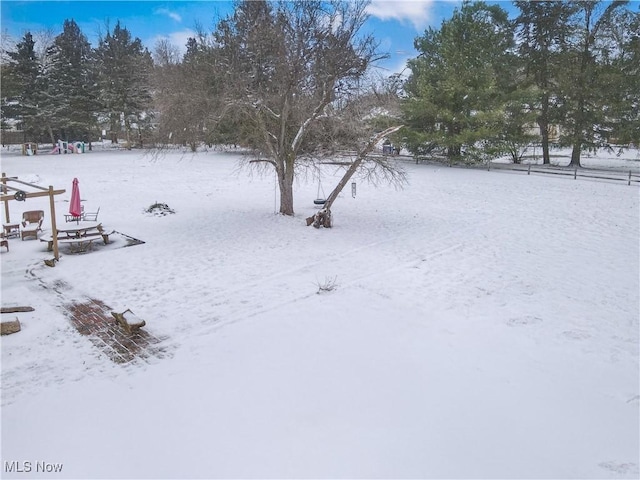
<point x="93" y="236"/>
<point x="66" y="240"/>
<point x="78" y="245"/>
<point x="129" y="321"/>
<point x="105" y="234"/>
<point x="102" y="234"/>
<point x="49" y="240"/>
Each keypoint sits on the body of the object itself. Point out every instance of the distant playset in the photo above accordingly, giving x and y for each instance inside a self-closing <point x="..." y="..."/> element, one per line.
<point x="68" y="147"/>
<point x="31" y="148"/>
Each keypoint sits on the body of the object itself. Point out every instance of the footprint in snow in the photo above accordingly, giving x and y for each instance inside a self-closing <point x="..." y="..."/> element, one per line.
<point x="620" y="468"/>
<point x="576" y="334"/>
<point x="526" y="320"/>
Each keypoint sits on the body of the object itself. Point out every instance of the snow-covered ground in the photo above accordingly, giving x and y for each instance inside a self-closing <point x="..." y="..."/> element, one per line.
<point x="483" y="325"/>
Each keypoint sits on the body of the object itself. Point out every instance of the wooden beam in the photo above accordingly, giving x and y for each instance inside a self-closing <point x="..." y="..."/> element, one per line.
<point x="24" y="183"/>
<point x="54" y="228"/>
<point x="6" y="203"/>
<point x="16" y="309"/>
<point x="4" y="198"/>
<point x="17" y="189"/>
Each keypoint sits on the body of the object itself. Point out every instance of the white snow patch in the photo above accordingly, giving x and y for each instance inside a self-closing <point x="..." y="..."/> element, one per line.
<point x="485" y="326"/>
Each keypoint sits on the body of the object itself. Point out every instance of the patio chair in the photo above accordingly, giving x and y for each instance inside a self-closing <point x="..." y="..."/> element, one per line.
<point x="31" y="223"/>
<point x="3" y="241"/>
<point x="71" y="218"/>
<point x="91" y="216"/>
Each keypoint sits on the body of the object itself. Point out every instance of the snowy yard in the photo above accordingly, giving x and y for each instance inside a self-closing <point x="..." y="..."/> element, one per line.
<point x="483" y="325"/>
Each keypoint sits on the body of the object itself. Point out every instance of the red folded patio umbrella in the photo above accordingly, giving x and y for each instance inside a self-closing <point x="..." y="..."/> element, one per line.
<point x="74" y="208"/>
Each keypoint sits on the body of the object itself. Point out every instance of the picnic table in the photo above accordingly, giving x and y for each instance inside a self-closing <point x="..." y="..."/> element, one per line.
<point x="80" y="229"/>
<point x="79" y="236"/>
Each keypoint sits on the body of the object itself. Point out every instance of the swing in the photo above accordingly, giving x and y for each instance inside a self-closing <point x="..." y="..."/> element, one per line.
<point x="320" y="200"/>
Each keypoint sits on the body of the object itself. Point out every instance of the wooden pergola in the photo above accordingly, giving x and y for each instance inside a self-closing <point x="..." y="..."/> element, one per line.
<point x="26" y="190"/>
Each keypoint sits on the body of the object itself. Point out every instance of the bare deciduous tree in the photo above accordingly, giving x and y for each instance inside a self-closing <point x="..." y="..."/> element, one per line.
<point x="184" y="92"/>
<point x="289" y="69"/>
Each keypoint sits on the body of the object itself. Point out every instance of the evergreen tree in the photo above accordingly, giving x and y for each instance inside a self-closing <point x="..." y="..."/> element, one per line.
<point x="618" y="55"/>
<point x="19" y="87"/>
<point x="543" y="30"/>
<point x="124" y="69"/>
<point x="583" y="80"/>
<point x="521" y="101"/>
<point x="68" y="100"/>
<point x="456" y="94"/>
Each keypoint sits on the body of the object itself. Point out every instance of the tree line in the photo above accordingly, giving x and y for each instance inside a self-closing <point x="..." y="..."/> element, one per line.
<point x="293" y="81"/>
<point x="70" y="91"/>
<point x="481" y="80"/>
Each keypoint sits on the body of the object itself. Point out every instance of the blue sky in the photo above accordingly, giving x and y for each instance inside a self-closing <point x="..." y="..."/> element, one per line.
<point x="395" y="23"/>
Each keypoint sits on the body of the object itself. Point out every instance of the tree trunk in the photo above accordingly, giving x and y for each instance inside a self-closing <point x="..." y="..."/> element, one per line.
<point x="284" y="171"/>
<point x="546" y="156"/>
<point x="575" y="154"/>
<point x="577" y="135"/>
<point x="114" y="128"/>
<point x="454" y="152"/>
<point x="323" y="217"/>
<point x="543" y="123"/>
<point x="127" y="129"/>
<point x="286" y="198"/>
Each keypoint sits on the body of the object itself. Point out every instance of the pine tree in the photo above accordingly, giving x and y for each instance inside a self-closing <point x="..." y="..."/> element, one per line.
<point x="543" y="30"/>
<point x="582" y="84"/>
<point x="68" y="88"/>
<point x="19" y="87"/>
<point x="618" y="74"/>
<point x="456" y="93"/>
<point x="124" y="69"/>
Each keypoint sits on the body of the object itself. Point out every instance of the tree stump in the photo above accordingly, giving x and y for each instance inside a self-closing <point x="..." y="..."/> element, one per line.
<point x="322" y="218"/>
